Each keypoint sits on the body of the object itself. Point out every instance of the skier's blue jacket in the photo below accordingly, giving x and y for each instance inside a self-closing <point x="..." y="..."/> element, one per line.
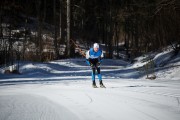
<point x="91" y="54"/>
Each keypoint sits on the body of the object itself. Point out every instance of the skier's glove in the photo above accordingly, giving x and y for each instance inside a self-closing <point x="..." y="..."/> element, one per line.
<point x="91" y="65"/>
<point x="100" y="59"/>
<point x="98" y="64"/>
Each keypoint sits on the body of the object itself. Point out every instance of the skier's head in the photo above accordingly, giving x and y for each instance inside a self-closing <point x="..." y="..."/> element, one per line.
<point x="96" y="47"/>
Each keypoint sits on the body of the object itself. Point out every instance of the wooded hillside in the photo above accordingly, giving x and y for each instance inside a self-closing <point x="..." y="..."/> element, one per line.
<point x="42" y="30"/>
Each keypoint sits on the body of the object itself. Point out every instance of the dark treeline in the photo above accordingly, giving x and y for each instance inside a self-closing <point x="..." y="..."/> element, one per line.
<point x="139" y="26"/>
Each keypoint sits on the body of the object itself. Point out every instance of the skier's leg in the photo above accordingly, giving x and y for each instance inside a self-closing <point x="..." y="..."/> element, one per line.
<point x="99" y="74"/>
<point x="93" y="74"/>
<point x="93" y="69"/>
<point x="100" y="78"/>
<point x="93" y="77"/>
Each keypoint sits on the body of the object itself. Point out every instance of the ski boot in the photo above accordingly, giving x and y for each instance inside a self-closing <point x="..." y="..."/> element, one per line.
<point x="94" y="84"/>
<point x="101" y="84"/>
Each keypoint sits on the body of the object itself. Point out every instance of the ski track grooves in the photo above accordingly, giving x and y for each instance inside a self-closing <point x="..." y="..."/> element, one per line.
<point x="91" y="100"/>
<point x="148" y="115"/>
<point x="82" y="108"/>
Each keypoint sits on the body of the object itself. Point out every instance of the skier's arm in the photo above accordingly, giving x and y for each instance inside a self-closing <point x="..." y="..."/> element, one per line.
<point x="87" y="61"/>
<point x="101" y="57"/>
<point x="87" y="57"/>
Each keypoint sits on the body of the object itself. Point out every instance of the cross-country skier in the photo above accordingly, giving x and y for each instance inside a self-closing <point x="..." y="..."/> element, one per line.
<point x="94" y="58"/>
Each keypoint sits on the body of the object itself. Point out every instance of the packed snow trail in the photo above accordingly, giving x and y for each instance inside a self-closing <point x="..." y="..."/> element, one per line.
<point x="32" y="107"/>
<point x="62" y="90"/>
<point x="77" y="100"/>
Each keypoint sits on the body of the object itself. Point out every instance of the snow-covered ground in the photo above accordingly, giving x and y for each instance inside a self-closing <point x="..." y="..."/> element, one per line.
<point x="61" y="90"/>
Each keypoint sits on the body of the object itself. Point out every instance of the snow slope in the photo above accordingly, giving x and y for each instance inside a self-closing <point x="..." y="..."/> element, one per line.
<point x="61" y="90"/>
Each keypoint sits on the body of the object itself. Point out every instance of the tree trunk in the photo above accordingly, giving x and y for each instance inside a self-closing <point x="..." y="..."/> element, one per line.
<point x="55" y="32"/>
<point x="60" y="19"/>
<point x="68" y="28"/>
<point x="39" y="41"/>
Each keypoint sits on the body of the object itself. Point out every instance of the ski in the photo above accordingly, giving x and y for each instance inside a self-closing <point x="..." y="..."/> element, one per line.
<point x="102" y="86"/>
<point x="94" y="86"/>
